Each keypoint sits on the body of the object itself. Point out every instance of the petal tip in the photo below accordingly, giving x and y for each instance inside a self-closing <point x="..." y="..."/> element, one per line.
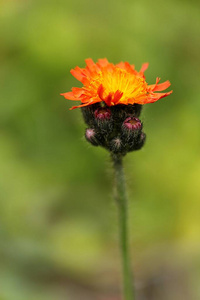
<point x="144" y="67"/>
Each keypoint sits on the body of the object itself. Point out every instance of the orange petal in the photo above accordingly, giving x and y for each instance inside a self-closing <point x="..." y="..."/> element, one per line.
<point x="77" y="74"/>
<point x="91" y="65"/>
<point x="158" y="96"/>
<point x="120" y="65"/>
<point x="77" y="92"/>
<point x="144" y="67"/>
<point x="139" y="100"/>
<point x="152" y="86"/>
<point x="117" y="96"/>
<point x="162" y="86"/>
<point x="108" y="99"/>
<point x="69" y="96"/>
<point x="103" y="62"/>
<point x="129" y="68"/>
<point x="86" y="104"/>
<point x="126" y="66"/>
<point x="100" y="92"/>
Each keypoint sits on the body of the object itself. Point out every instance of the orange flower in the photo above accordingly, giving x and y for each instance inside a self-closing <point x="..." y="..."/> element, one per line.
<point x="114" y="84"/>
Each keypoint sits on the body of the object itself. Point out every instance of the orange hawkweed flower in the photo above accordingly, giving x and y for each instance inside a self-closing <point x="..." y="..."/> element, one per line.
<point x="114" y="84"/>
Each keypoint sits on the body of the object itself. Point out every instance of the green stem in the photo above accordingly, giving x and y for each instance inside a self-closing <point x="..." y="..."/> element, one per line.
<point x="121" y="199"/>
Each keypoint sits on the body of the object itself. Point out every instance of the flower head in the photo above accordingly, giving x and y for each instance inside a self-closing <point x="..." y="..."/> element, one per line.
<point x="114" y="84"/>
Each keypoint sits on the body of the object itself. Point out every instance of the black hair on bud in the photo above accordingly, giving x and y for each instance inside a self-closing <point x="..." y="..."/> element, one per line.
<point x="133" y="110"/>
<point x="88" y="113"/>
<point x="93" y="137"/>
<point x="118" y="113"/>
<point x="121" y="111"/>
<point x="138" y="143"/>
<point x="116" y="145"/>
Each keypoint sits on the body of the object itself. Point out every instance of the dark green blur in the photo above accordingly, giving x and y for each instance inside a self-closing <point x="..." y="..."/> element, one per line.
<point x="58" y="221"/>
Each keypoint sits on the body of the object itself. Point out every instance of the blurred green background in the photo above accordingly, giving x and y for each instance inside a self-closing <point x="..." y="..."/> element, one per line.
<point x="58" y="221"/>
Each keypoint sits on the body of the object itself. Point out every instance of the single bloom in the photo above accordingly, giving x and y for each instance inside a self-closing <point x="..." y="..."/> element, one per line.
<point x="114" y="84"/>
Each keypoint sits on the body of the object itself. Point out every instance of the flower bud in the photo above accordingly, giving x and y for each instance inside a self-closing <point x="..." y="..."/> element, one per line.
<point x="93" y="137"/>
<point x="130" y="131"/>
<point x="132" y="124"/>
<point x="104" y="120"/>
<point x="102" y="113"/>
<point x="116" y="145"/>
<point x="90" y="136"/>
<point x="138" y="143"/>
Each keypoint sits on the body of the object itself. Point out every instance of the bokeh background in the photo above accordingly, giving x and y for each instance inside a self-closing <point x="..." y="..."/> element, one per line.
<point x="58" y="221"/>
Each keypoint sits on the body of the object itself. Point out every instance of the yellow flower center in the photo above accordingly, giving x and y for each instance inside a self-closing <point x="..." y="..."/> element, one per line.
<point x="129" y="84"/>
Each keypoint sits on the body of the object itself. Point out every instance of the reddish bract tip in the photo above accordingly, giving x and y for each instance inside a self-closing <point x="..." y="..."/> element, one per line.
<point x="132" y="123"/>
<point x="102" y="113"/>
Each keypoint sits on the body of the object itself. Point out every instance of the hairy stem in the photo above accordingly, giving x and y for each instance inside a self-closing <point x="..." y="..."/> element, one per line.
<point x="121" y="200"/>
